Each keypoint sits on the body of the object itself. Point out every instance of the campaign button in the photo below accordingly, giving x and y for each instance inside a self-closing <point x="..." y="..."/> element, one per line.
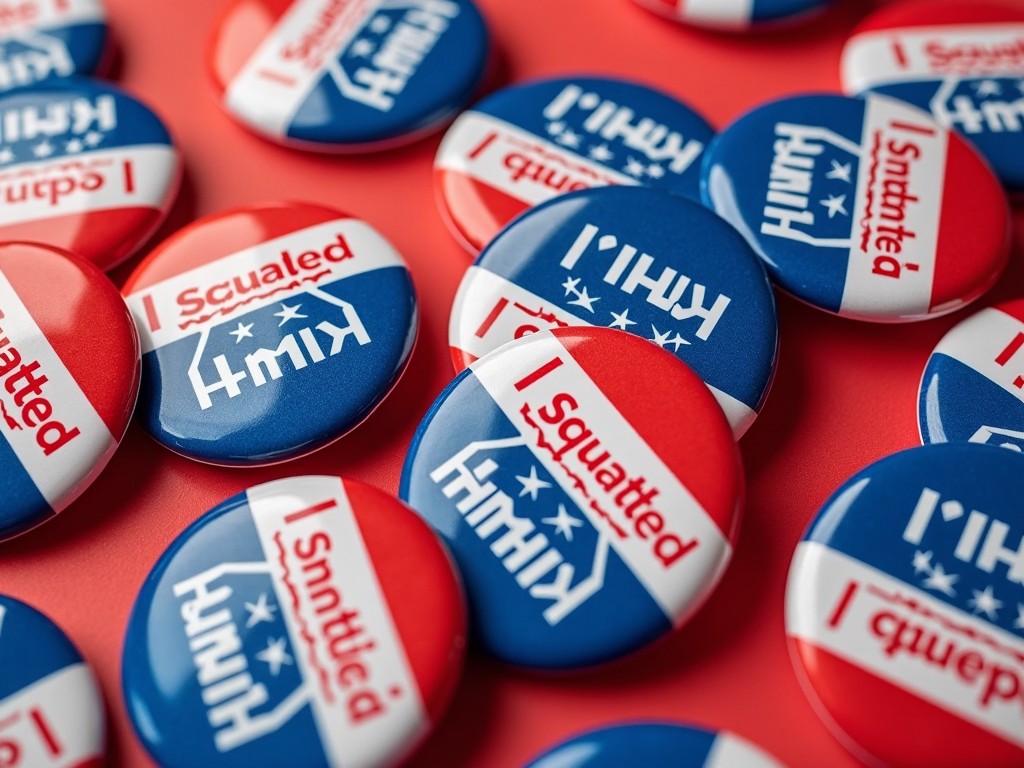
<point x="69" y="364"/>
<point x="590" y="489"/>
<point x="866" y="208"/>
<point x="973" y="384"/>
<point x="310" y="622"/>
<point x="905" y="609"/>
<point x="529" y="143"/>
<point x="654" y="743"/>
<point x="83" y="167"/>
<point x="961" y="60"/>
<point x="656" y="265"/>
<point x="737" y="15"/>
<point x="51" y="711"/>
<point x="43" y="39"/>
<point x="333" y="75"/>
<point x="269" y="332"/>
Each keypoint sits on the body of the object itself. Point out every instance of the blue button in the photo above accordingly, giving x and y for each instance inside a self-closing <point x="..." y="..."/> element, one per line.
<point x="659" y="266"/>
<point x="905" y="608"/>
<point x="268" y="332"/>
<point x="529" y="143"/>
<point x="862" y="207"/>
<point x="737" y="15"/>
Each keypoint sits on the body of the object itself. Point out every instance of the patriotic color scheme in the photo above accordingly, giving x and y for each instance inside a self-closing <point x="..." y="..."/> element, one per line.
<point x="862" y="207"/>
<point x="962" y="60"/>
<point x="652" y="744"/>
<point x="529" y="143"/>
<point x="83" y="167"/>
<point x="269" y="332"/>
<point x="335" y="75"/>
<point x="43" y="39"/>
<point x="69" y="366"/>
<point x="309" y="622"/>
<point x="973" y="384"/>
<point x="905" y="609"/>
<point x="590" y="489"/>
<point x="736" y="14"/>
<point x="51" y="712"/>
<point x="656" y="265"/>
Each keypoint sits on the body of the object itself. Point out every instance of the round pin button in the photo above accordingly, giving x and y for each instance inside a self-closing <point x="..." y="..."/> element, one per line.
<point x="269" y="332"/>
<point x="654" y="743"/>
<point x="973" y="384"/>
<point x="69" y="364"/>
<point x="312" y="622"/>
<point x="49" y="39"/>
<point x="737" y="15"/>
<point x="639" y="260"/>
<point x="961" y="60"/>
<point x="330" y="76"/>
<point x="83" y="167"/>
<point x="905" y="611"/>
<point x="529" y="143"/>
<point x="862" y="207"/>
<point x="589" y="487"/>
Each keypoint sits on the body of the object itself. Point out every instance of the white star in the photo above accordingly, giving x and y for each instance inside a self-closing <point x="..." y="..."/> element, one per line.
<point x="985" y="602"/>
<point x="259" y="611"/>
<point x="380" y="24"/>
<point x="242" y="332"/>
<point x="361" y="48"/>
<point x="556" y="128"/>
<point x="1019" y="623"/>
<point x="922" y="562"/>
<point x="601" y="153"/>
<point x="1020" y="86"/>
<point x="6" y="155"/>
<point x="532" y="484"/>
<point x="74" y="146"/>
<point x="661" y="339"/>
<point x="655" y="171"/>
<point x="275" y="655"/>
<point x="570" y="285"/>
<point x="676" y="341"/>
<point x="563" y="522"/>
<point x="621" y="320"/>
<point x="585" y="300"/>
<point x="569" y="138"/>
<point x="92" y="138"/>
<point x="835" y="204"/>
<point x="635" y="168"/>
<point x="43" y="149"/>
<point x="840" y="171"/>
<point x="289" y="313"/>
<point x="941" y="581"/>
<point x="987" y="88"/>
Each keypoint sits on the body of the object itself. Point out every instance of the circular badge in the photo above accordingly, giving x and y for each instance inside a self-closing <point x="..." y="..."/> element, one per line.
<point x="69" y="365"/>
<point x="653" y="264"/>
<point x="51" y="38"/>
<point x="529" y="143"/>
<point x="269" y="332"/>
<point x="973" y="384"/>
<point x="329" y="76"/>
<point x="311" y="622"/>
<point x="862" y="207"/>
<point x="905" y="609"/>
<point x="736" y="14"/>
<point x="962" y="60"/>
<point x="590" y="489"/>
<point x="655" y="743"/>
<point x="51" y="711"/>
<point x="83" y="167"/>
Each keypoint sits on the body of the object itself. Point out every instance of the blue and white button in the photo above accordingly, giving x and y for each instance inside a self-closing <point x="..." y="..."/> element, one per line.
<point x="737" y="14"/>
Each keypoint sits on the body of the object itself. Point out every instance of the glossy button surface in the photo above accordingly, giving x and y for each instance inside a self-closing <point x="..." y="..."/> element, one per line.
<point x="51" y="711"/>
<point x="905" y="609"/>
<point x="336" y="76"/>
<point x="655" y="265"/>
<point x="269" y="332"/>
<point x="531" y="142"/>
<point x="69" y="365"/>
<point x="589" y="487"/>
<point x="310" y="622"/>
<point x="862" y="207"/>
<point x="737" y="15"/>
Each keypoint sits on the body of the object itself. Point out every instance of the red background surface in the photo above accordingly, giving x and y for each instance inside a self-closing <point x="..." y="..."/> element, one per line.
<point x="844" y="395"/>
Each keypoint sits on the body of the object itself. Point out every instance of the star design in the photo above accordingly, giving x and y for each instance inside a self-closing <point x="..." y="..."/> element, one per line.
<point x="601" y="153"/>
<point x="74" y="146"/>
<point x="275" y="655"/>
<point x="840" y="171"/>
<point x="380" y="24"/>
<point x="563" y="522"/>
<point x="661" y="339"/>
<point x="6" y="155"/>
<point x="259" y="611"/>
<point x="986" y="88"/>
<point x="43" y="149"/>
<point x="1019" y="623"/>
<point x="532" y="484"/>
<point x="835" y="204"/>
<point x="677" y="341"/>
<point x="289" y="313"/>
<point x="1020" y="86"/>
<point x="655" y="171"/>
<point x="556" y="128"/>
<point x="242" y="332"/>
<point x="92" y="138"/>
<point x="621" y="320"/>
<point x="585" y="300"/>
<point x="635" y="168"/>
<point x="570" y="285"/>
<point x="361" y="48"/>
<point x="569" y="138"/>
<point x="941" y="581"/>
<point x="922" y="562"/>
<point x="985" y="602"/>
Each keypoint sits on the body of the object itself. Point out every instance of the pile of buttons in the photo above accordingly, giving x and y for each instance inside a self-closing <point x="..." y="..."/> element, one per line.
<point x="556" y="510"/>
